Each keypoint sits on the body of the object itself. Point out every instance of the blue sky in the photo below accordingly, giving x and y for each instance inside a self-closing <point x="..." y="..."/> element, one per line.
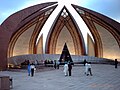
<point x="109" y="8"/>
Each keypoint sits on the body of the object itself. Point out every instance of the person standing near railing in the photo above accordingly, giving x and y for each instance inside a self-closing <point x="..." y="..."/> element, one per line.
<point x="116" y="62"/>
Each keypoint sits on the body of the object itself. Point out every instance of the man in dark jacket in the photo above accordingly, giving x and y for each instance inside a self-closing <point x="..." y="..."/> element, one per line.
<point x="116" y="62"/>
<point x="69" y="68"/>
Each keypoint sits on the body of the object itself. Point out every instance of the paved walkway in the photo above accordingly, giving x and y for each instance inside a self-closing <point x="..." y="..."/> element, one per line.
<point x="105" y="77"/>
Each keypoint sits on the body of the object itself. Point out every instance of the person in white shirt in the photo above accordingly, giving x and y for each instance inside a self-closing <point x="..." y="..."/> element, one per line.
<point x="66" y="69"/>
<point x="32" y="69"/>
<point x="86" y="68"/>
<point x="89" y="69"/>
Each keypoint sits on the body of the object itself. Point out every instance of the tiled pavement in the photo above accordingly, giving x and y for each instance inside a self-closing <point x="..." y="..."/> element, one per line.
<point x="105" y="77"/>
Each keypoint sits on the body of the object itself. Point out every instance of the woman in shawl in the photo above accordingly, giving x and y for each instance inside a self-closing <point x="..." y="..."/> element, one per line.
<point x="66" y="69"/>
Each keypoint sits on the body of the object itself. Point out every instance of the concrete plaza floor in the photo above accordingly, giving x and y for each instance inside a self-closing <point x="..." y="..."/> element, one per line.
<point x="105" y="77"/>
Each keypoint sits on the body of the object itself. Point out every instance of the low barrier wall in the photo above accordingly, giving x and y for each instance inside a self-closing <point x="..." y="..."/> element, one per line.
<point x="17" y="60"/>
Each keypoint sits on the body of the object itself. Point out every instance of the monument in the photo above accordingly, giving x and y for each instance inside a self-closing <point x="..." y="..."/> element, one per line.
<point x="23" y="36"/>
<point x="65" y="56"/>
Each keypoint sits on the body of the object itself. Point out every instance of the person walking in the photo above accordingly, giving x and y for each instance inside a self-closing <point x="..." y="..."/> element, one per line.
<point x="66" y="69"/>
<point x="29" y="69"/>
<point x="116" y="62"/>
<point x="58" y="63"/>
<point x="89" y="69"/>
<point x="32" y="69"/>
<point x="84" y="62"/>
<point x="69" y="68"/>
<point x="55" y="64"/>
<point x="86" y="68"/>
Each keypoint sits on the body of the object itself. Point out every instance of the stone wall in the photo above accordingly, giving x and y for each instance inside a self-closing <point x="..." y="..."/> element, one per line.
<point x="17" y="60"/>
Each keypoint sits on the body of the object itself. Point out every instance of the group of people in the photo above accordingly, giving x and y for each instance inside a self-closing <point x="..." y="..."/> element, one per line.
<point x="31" y="69"/>
<point x="67" y="69"/>
<point x="56" y="64"/>
<point x="53" y="63"/>
<point x="48" y="62"/>
<point x="88" y="68"/>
